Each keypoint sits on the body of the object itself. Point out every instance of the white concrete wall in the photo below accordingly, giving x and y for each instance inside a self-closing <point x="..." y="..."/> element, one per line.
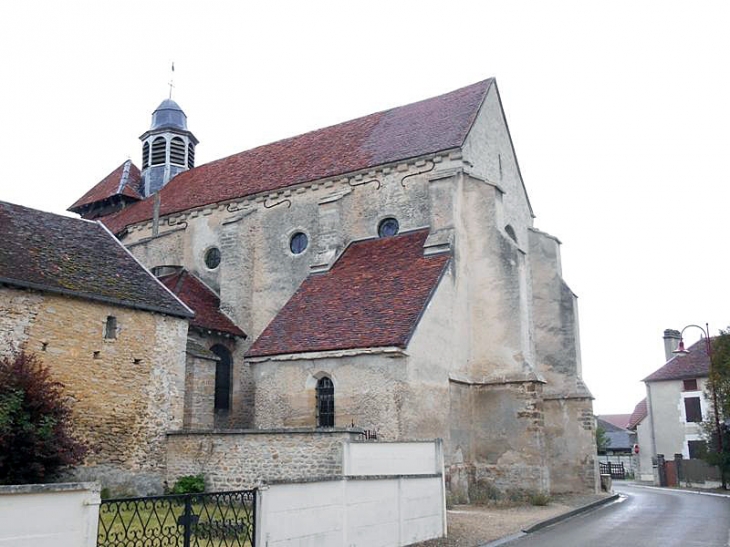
<point x="49" y="515"/>
<point x="352" y="512"/>
<point x="406" y="458"/>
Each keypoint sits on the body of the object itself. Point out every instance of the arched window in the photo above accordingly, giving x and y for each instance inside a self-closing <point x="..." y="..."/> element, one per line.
<point x="325" y="402"/>
<point x="145" y="155"/>
<point x="159" y="146"/>
<point x="222" y="378"/>
<point x="177" y="151"/>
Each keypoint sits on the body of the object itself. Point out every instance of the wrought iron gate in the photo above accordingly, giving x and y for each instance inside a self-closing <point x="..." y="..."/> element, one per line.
<point x="220" y="519"/>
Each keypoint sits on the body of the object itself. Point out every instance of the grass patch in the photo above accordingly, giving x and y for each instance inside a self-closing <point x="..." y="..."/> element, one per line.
<point x="160" y="522"/>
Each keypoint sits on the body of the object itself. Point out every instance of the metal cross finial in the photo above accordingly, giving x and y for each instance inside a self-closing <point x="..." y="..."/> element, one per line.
<point x="170" y="83"/>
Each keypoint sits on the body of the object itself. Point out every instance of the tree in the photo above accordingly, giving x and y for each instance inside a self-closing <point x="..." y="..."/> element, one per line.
<point x="602" y="440"/>
<point x="718" y="446"/>
<point x="35" y="423"/>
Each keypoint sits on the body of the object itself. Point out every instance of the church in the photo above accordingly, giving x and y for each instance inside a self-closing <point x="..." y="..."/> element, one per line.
<point x="383" y="276"/>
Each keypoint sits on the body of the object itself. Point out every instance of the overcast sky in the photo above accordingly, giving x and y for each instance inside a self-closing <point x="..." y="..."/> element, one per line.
<point x="619" y="112"/>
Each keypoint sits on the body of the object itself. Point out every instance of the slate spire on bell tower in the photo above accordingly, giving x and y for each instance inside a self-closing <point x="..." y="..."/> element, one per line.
<point x="168" y="147"/>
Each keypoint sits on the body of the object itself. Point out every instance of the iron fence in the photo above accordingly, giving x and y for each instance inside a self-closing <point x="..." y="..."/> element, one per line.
<point x="220" y="519"/>
<point x="616" y="470"/>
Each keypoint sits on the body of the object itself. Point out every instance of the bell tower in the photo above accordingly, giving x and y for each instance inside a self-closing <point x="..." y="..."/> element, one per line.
<point x="168" y="148"/>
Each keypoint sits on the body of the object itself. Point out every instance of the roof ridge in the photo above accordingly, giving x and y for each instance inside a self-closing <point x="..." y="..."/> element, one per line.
<point x="125" y="176"/>
<point x="429" y="126"/>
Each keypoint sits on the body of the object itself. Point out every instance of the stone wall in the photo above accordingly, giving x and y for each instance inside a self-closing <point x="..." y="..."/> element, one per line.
<point x="497" y="440"/>
<point x="571" y="445"/>
<point x="242" y="459"/>
<point x="240" y="415"/>
<point x="126" y="392"/>
<point x="18" y="310"/>
<point x="199" y="389"/>
<point x="369" y="392"/>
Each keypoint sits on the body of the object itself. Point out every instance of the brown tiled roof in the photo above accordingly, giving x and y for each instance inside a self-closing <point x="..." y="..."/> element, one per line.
<point x="48" y="252"/>
<point x="123" y="181"/>
<point x="692" y="365"/>
<point x="373" y="296"/>
<point x="619" y="420"/>
<point x="640" y="412"/>
<point x="202" y="300"/>
<point x="430" y="126"/>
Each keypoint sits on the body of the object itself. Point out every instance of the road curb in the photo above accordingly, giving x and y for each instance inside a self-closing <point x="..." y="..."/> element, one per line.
<point x="548" y="522"/>
<point x="682" y="490"/>
<point x="571" y="513"/>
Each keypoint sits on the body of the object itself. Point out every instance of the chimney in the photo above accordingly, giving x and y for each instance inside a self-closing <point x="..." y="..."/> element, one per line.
<point x="671" y="341"/>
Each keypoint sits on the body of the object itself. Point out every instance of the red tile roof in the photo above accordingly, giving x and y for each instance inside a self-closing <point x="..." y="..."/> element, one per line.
<point x="123" y="181"/>
<point x="640" y="412"/>
<point x="373" y="296"/>
<point x="76" y="257"/>
<point x="695" y="364"/>
<point x="426" y="127"/>
<point x="202" y="300"/>
<point x="619" y="420"/>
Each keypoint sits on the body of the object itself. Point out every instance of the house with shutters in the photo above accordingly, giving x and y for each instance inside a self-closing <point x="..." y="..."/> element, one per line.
<point x="669" y="420"/>
<point x="383" y="275"/>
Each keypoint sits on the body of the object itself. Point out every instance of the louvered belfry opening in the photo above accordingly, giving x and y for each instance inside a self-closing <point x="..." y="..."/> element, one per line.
<point x="158" y="151"/>
<point x="325" y="402"/>
<point x="145" y="155"/>
<point x="177" y="151"/>
<point x="191" y="155"/>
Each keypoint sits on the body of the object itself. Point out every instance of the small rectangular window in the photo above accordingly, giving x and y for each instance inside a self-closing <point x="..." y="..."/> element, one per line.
<point x="689" y="385"/>
<point x="697" y="449"/>
<point x="692" y="409"/>
<point x="110" y="328"/>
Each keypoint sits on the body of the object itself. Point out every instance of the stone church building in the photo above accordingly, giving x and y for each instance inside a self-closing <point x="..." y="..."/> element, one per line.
<point x="382" y="274"/>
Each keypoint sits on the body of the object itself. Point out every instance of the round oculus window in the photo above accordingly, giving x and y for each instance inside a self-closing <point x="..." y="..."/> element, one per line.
<point x="388" y="227"/>
<point x="213" y="258"/>
<point x="298" y="243"/>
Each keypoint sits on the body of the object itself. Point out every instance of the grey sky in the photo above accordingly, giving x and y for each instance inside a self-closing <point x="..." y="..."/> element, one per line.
<point x="618" y="111"/>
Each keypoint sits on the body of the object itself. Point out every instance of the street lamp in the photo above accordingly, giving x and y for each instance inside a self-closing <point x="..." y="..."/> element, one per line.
<point x="708" y="348"/>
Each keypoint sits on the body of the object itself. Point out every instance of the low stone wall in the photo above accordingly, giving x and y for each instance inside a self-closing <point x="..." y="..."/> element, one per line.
<point x="244" y="458"/>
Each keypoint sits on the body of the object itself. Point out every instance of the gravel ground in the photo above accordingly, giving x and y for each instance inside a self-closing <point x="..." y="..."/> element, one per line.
<point x="471" y="525"/>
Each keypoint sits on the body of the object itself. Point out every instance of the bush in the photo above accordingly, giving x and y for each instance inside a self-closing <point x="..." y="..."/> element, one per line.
<point x="189" y="484"/>
<point x="539" y="498"/>
<point x="35" y="423"/>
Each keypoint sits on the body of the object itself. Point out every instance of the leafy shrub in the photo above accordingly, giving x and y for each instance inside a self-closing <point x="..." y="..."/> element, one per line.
<point x="35" y="423"/>
<point x="539" y="498"/>
<point x="189" y="484"/>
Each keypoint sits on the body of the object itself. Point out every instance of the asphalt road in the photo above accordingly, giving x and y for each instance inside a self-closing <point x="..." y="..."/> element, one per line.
<point x="643" y="517"/>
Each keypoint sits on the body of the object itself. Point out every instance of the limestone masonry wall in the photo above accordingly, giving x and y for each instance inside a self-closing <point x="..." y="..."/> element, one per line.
<point x="242" y="459"/>
<point x="18" y="310"/>
<point x="126" y="392"/>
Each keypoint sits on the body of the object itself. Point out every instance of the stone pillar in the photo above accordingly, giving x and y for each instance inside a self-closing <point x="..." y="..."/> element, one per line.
<point x="442" y="192"/>
<point x="237" y="269"/>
